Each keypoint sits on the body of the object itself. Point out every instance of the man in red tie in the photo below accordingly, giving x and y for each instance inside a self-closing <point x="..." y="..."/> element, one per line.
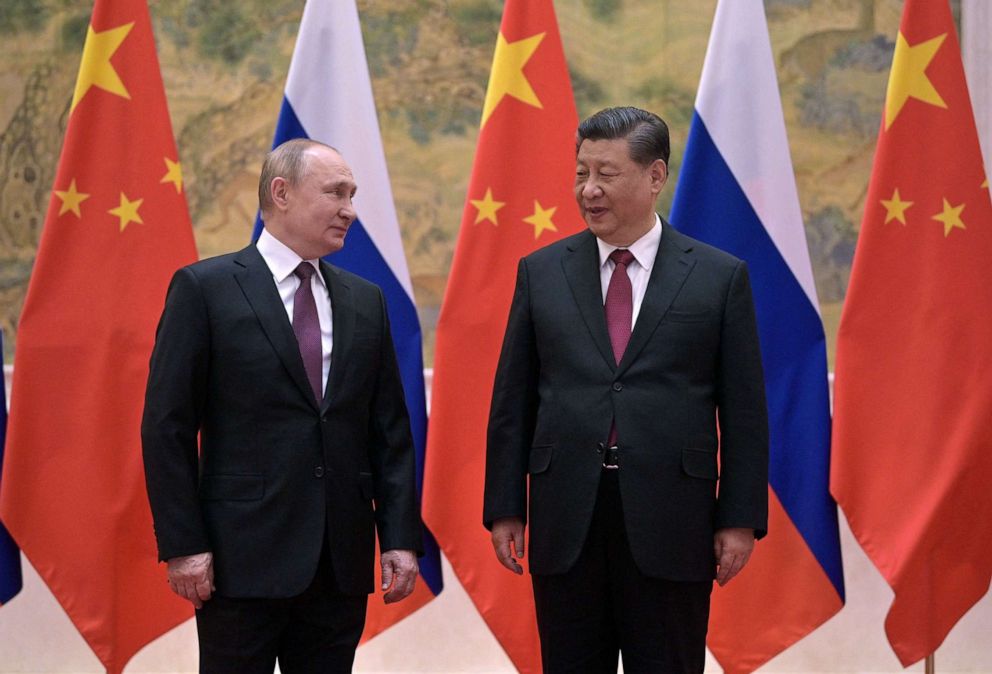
<point x="627" y="347"/>
<point x="275" y="435"/>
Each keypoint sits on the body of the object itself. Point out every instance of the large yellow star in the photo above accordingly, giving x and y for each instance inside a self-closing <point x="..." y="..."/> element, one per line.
<point x="174" y="174"/>
<point x="908" y="78"/>
<point x="128" y="211"/>
<point x="71" y="199"/>
<point x="487" y="207"/>
<point x="507" y="75"/>
<point x="951" y="217"/>
<point x="541" y="219"/>
<point x="95" y="69"/>
<point x="895" y="208"/>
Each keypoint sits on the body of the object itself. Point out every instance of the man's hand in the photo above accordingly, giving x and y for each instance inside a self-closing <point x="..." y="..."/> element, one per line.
<point x="508" y="538"/>
<point x="192" y="577"/>
<point x="399" y="570"/>
<point x="732" y="547"/>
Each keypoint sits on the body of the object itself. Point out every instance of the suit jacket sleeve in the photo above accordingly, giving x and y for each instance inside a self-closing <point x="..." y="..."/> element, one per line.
<point x="392" y="455"/>
<point x="513" y="412"/>
<point x="174" y="402"/>
<point x="743" y="417"/>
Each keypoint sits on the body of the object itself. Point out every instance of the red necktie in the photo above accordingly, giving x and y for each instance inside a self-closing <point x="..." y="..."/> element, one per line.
<point x="620" y="303"/>
<point x="619" y="312"/>
<point x="307" y="328"/>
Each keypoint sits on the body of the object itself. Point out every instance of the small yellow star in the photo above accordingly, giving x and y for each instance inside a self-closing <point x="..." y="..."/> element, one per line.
<point x="95" y="69"/>
<point x="986" y="183"/>
<point x="908" y="78"/>
<point x="128" y="211"/>
<point x="487" y="207"/>
<point x="951" y="217"/>
<point x="174" y="174"/>
<point x="895" y="208"/>
<point x="541" y="219"/>
<point x="71" y="199"/>
<point x="507" y="74"/>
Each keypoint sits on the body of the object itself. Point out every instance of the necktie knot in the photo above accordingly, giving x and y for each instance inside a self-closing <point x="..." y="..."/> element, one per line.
<point x="622" y="256"/>
<point x="304" y="271"/>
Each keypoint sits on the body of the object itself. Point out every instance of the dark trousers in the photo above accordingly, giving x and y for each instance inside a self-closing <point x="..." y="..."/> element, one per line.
<point x="604" y="606"/>
<point x="316" y="632"/>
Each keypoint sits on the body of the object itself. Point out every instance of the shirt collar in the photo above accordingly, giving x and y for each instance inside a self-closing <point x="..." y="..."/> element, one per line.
<point x="280" y="258"/>
<point x="645" y="249"/>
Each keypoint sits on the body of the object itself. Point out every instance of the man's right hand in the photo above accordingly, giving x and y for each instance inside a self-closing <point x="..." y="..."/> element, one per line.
<point x="508" y="538"/>
<point x="192" y="577"/>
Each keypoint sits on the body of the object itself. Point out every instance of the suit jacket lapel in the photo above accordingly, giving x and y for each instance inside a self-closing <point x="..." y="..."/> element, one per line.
<point x="343" y="318"/>
<point x="581" y="266"/>
<point x="255" y="279"/>
<point x="671" y="268"/>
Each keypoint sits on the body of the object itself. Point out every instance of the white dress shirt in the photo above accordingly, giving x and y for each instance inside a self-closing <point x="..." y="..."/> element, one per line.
<point x="645" y="250"/>
<point x="282" y="262"/>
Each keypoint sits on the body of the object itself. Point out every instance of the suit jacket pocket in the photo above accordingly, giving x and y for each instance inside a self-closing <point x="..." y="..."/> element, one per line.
<point x="686" y="316"/>
<point x="540" y="459"/>
<point x="700" y="463"/>
<point x="366" y="486"/>
<point x="232" y="487"/>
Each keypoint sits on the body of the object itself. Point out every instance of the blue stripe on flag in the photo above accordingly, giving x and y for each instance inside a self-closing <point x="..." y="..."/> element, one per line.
<point x="10" y="557"/>
<point x="361" y="256"/>
<point x="711" y="206"/>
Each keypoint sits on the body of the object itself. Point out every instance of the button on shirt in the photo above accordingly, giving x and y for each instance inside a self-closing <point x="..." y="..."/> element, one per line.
<point x="282" y="262"/>
<point x="645" y="250"/>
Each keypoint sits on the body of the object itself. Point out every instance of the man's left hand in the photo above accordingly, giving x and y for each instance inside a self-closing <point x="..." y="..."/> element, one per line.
<point x="732" y="548"/>
<point x="399" y="574"/>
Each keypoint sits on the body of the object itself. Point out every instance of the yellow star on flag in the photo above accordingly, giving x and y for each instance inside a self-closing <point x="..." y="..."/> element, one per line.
<point x="507" y="75"/>
<point x="986" y="183"/>
<point x="71" y="199"/>
<point x="909" y="79"/>
<point x="895" y="208"/>
<point x="951" y="217"/>
<point x="541" y="219"/>
<point x="174" y="174"/>
<point x="487" y="207"/>
<point x="95" y="69"/>
<point x="128" y="211"/>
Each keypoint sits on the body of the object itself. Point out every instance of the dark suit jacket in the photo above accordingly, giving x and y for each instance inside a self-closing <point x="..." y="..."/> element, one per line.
<point x="275" y="472"/>
<point x="693" y="357"/>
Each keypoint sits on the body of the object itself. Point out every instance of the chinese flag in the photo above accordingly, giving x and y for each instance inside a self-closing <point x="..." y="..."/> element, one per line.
<point x="912" y="452"/>
<point x="117" y="228"/>
<point x="519" y="199"/>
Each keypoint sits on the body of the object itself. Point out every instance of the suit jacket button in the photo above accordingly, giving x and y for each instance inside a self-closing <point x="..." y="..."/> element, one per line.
<point x="318" y="471"/>
<point x="617" y="386"/>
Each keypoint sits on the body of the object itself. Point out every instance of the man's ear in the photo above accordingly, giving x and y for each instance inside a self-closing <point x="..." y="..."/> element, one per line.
<point x="659" y="175"/>
<point x="279" y="192"/>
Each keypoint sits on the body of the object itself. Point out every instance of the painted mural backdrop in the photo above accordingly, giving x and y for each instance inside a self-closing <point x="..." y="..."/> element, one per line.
<point x="224" y="65"/>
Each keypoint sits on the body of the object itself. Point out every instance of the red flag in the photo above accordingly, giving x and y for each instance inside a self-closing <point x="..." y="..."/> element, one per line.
<point x="912" y="454"/>
<point x="117" y="228"/>
<point x="519" y="199"/>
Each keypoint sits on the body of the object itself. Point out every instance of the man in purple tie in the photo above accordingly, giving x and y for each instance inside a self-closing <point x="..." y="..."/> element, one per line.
<point x="627" y="347"/>
<point x="275" y="435"/>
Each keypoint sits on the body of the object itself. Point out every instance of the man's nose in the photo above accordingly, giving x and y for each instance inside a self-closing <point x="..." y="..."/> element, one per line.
<point x="591" y="189"/>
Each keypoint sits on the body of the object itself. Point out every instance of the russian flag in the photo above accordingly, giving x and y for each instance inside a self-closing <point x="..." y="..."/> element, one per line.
<point x="737" y="191"/>
<point x="329" y="99"/>
<point x="10" y="555"/>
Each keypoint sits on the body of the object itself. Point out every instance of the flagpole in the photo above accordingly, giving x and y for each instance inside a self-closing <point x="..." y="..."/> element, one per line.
<point x="929" y="664"/>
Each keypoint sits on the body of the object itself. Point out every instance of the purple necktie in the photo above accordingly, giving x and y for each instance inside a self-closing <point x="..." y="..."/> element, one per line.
<point x="619" y="312"/>
<point x="307" y="328"/>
